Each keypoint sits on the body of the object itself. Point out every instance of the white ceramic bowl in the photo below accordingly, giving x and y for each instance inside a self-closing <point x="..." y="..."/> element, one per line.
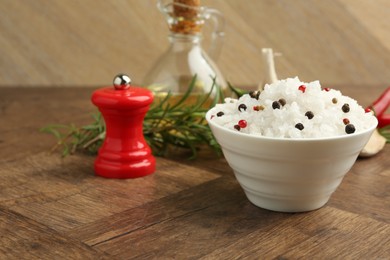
<point x="289" y="175"/>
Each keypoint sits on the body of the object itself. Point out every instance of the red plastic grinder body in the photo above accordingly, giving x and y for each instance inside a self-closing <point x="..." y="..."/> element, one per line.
<point x="124" y="153"/>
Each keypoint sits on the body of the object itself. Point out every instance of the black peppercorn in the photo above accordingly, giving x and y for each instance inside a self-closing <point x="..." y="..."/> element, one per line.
<point x="237" y="127"/>
<point x="241" y="107"/>
<point x="254" y="94"/>
<point x="299" y="126"/>
<point x="309" y="114"/>
<point x="350" y="129"/>
<point x="334" y="100"/>
<point x="220" y="113"/>
<point x="345" y="108"/>
<point x="276" y="105"/>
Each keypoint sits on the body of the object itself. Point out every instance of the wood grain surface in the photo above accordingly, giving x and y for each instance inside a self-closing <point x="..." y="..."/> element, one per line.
<point x="86" y="43"/>
<point x="56" y="208"/>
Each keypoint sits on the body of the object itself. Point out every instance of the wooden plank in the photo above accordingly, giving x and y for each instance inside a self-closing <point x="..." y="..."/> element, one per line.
<point x="242" y="230"/>
<point x="339" y="234"/>
<point x="365" y="189"/>
<point x="23" y="238"/>
<point x="69" y="194"/>
<point x="327" y="233"/>
<point x="25" y="110"/>
<point x="208" y="194"/>
<point x="194" y="234"/>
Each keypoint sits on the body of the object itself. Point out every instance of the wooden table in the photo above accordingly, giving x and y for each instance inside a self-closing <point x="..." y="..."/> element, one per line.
<point x="55" y="208"/>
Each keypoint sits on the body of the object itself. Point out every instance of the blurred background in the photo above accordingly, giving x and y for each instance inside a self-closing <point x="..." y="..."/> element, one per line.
<point x="87" y="42"/>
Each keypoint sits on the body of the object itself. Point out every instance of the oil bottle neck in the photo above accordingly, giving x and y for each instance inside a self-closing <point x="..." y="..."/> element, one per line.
<point x="182" y="42"/>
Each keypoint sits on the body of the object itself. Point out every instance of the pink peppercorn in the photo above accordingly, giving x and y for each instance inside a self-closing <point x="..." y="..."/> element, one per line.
<point x="302" y="88"/>
<point x="242" y="123"/>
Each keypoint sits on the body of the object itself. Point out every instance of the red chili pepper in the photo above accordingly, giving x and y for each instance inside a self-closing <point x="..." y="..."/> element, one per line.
<point x="383" y="120"/>
<point x="380" y="106"/>
<point x="382" y="103"/>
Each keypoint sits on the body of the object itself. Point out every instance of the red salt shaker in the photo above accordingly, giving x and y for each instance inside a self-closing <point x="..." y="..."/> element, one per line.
<point x="124" y="153"/>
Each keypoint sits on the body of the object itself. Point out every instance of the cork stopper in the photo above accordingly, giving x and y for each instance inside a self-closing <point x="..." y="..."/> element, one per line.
<point x="187" y="17"/>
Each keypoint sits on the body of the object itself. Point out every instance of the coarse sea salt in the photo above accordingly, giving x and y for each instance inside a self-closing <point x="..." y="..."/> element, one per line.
<point x="293" y="109"/>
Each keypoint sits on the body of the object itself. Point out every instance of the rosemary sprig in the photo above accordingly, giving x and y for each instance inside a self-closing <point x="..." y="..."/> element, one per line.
<point x="180" y="124"/>
<point x="71" y="138"/>
<point x="167" y="124"/>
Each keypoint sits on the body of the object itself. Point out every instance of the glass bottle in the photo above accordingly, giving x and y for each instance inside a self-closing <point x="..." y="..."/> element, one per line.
<point x="185" y="57"/>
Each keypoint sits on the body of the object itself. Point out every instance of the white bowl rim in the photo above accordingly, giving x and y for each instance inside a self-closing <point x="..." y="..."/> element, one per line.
<point x="308" y="139"/>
